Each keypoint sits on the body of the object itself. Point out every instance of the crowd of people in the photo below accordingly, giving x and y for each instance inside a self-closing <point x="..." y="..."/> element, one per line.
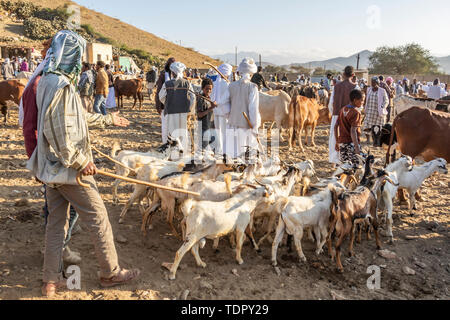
<point x="227" y="110"/>
<point x="12" y="67"/>
<point x="351" y="97"/>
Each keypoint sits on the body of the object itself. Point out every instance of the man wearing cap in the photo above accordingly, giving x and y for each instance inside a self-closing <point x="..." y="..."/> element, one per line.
<point x="178" y="99"/>
<point x="221" y="95"/>
<point x="244" y="98"/>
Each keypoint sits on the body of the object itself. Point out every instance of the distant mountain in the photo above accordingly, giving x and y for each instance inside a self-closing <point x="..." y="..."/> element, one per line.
<point x="340" y="63"/>
<point x="268" y="59"/>
<point x="444" y="62"/>
<point x="337" y="64"/>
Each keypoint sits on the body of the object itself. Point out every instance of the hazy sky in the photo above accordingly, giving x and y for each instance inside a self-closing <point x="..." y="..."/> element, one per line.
<point x="309" y="30"/>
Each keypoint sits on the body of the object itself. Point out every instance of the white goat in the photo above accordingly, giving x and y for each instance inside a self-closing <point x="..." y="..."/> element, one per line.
<point x="389" y="191"/>
<point x="151" y="172"/>
<point x="413" y="180"/>
<point x="134" y="160"/>
<point x="211" y="220"/>
<point x="298" y="213"/>
<point x="266" y="207"/>
<point x="167" y="199"/>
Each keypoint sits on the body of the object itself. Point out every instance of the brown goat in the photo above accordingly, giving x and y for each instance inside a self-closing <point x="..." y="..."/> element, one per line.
<point x="351" y="209"/>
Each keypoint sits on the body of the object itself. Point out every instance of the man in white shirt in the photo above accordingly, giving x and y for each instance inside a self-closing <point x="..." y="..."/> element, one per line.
<point x="244" y="97"/>
<point x="221" y="95"/>
<point x="436" y="92"/>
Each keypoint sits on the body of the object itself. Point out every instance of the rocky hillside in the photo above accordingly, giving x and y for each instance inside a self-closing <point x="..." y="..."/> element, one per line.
<point x="132" y="39"/>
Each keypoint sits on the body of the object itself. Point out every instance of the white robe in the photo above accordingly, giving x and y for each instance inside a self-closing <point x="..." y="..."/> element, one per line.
<point x="333" y="154"/>
<point x="237" y="139"/>
<point x="221" y="95"/>
<point x="111" y="99"/>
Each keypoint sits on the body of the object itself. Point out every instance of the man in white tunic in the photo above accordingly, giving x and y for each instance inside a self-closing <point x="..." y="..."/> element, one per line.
<point x="221" y="95"/>
<point x="178" y="99"/>
<point x="244" y="97"/>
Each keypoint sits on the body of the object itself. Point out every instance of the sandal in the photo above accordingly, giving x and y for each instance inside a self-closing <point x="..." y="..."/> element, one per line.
<point x="49" y="289"/>
<point x="123" y="277"/>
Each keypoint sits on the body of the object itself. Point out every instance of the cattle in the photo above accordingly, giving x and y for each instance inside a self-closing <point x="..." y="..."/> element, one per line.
<point x="274" y="107"/>
<point x="303" y="113"/>
<point x="129" y="88"/>
<point x="404" y="102"/>
<point x="422" y="132"/>
<point x="10" y="90"/>
<point x="310" y="92"/>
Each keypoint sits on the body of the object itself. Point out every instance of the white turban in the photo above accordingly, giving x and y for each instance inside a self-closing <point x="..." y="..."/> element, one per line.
<point x="247" y="66"/>
<point x="212" y="73"/>
<point x="226" y="69"/>
<point x="7" y="60"/>
<point x="178" y="68"/>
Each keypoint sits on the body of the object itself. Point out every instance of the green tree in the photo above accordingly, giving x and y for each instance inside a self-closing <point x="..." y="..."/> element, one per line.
<point x="409" y="59"/>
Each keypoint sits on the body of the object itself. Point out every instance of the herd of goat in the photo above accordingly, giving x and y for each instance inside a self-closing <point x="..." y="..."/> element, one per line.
<point x="237" y="197"/>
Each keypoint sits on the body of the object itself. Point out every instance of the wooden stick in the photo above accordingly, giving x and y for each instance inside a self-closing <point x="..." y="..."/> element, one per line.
<point x="113" y="160"/>
<point x="217" y="70"/>
<point x="144" y="183"/>
<point x="251" y="127"/>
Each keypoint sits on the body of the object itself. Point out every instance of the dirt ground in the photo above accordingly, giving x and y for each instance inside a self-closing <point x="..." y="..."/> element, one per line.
<point x="421" y="242"/>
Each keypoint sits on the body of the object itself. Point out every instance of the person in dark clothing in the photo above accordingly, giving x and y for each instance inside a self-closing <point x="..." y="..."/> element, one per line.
<point x="285" y="78"/>
<point x="258" y="79"/>
<point x="204" y="111"/>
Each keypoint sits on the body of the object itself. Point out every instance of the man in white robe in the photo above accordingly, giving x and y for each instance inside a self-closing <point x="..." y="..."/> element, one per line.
<point x="221" y="95"/>
<point x="244" y="97"/>
<point x="178" y="99"/>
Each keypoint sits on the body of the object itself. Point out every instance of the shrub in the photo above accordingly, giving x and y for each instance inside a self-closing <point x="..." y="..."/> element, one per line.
<point x="39" y="29"/>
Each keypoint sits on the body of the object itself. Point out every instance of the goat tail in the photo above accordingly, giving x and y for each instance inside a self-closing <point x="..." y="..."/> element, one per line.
<point x="202" y="243"/>
<point x="116" y="147"/>
<point x="228" y="183"/>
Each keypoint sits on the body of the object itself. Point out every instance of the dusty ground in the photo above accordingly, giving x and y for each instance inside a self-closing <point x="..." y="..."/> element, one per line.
<point x="22" y="234"/>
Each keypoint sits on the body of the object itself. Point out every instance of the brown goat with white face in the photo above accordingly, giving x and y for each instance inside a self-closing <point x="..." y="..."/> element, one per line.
<point x="352" y="208"/>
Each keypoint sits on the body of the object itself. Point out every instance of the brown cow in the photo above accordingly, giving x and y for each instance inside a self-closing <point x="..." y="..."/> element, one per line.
<point x="303" y="113"/>
<point x="10" y="90"/>
<point x="422" y="132"/>
<point x="129" y="88"/>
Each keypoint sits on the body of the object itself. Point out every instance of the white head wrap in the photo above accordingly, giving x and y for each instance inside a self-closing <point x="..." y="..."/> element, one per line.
<point x="212" y="72"/>
<point x="247" y="66"/>
<point x="178" y="68"/>
<point x="7" y="60"/>
<point x="226" y="69"/>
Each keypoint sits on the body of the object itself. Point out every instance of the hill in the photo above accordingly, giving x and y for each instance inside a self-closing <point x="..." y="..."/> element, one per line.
<point x="121" y="32"/>
<point x="341" y="62"/>
<point x="331" y="64"/>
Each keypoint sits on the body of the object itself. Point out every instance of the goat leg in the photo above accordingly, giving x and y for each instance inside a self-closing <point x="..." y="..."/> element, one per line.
<point x="249" y="233"/>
